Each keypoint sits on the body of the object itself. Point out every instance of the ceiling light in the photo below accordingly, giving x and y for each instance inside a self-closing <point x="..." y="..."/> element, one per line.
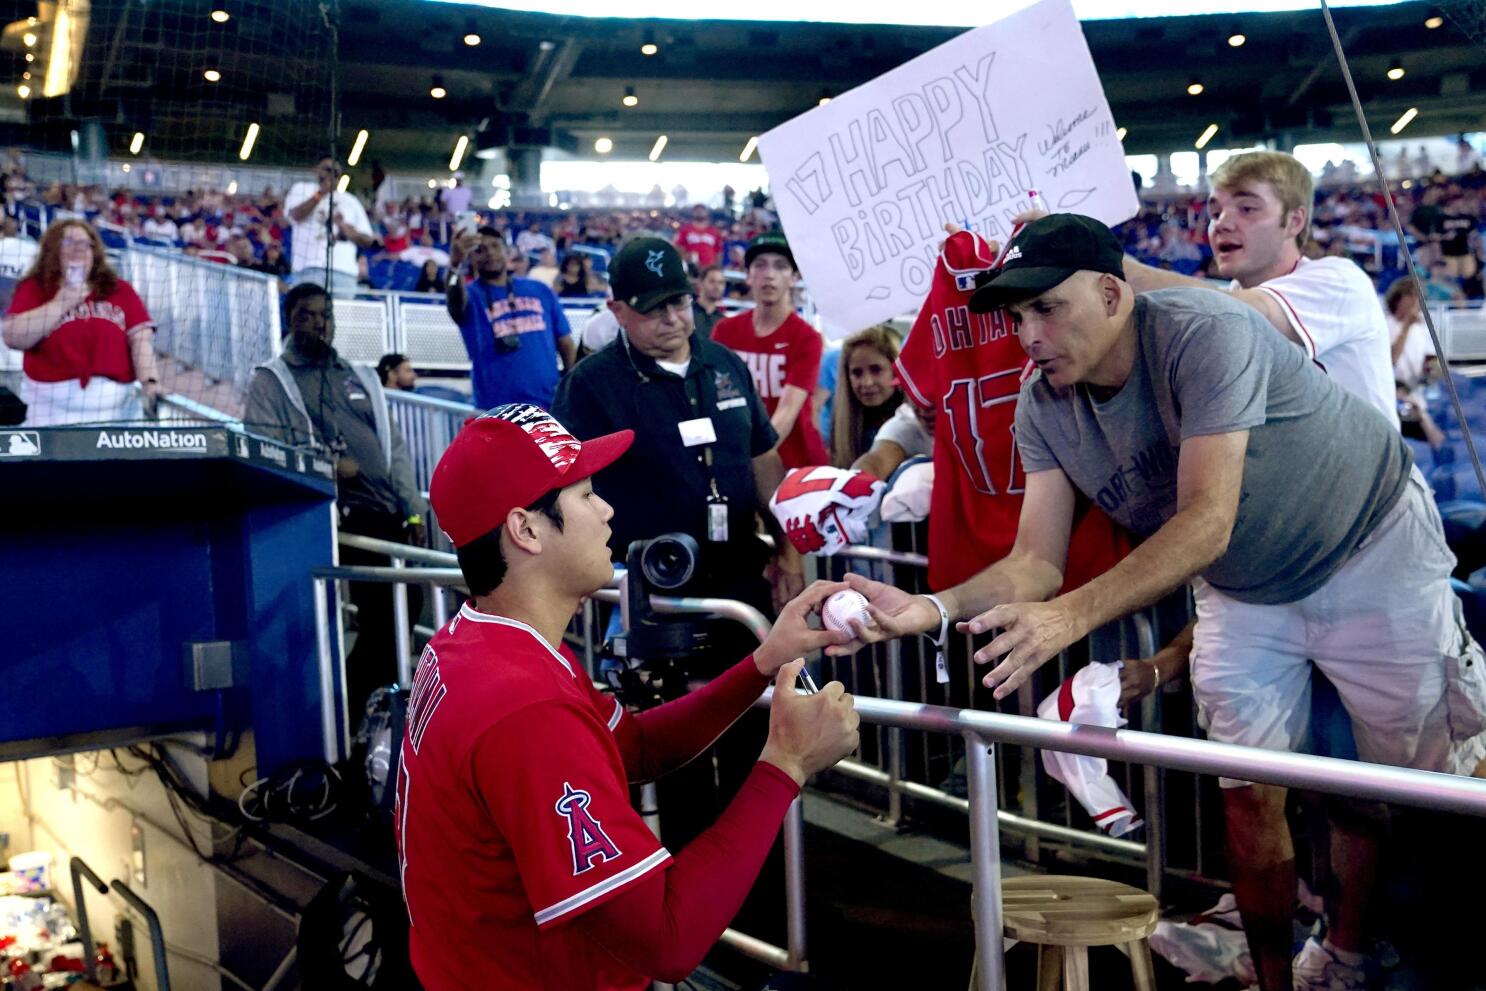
<point x="1434" y="21"/>
<point x="460" y="147"/>
<point x="248" y="140"/>
<point x="354" y="158"/>
<point x="344" y="183"/>
<point x="232" y="188"/>
<point x="1403" y="121"/>
<point x="825" y="97"/>
<point x="603" y="146"/>
<point x="29" y="38"/>
<point x="136" y="143"/>
<point x="1206" y="136"/>
<point x="219" y="12"/>
<point x="748" y="149"/>
<point x="630" y="99"/>
<point x="1236" y="39"/>
<point x="437" y="91"/>
<point x="1395" y="72"/>
<point x="30" y="57"/>
<point x="1120" y="134"/>
<point x="649" y="48"/>
<point x="126" y="168"/>
<point x="433" y="184"/>
<point x="472" y="39"/>
<point x="23" y="91"/>
<point x="1194" y="88"/>
<point x="212" y="76"/>
<point x="545" y="46"/>
<point x="660" y="146"/>
<point x="25" y="75"/>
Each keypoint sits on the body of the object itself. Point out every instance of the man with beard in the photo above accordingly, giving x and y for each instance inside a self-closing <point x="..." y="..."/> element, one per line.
<point x="309" y="396"/>
<point x="513" y="328"/>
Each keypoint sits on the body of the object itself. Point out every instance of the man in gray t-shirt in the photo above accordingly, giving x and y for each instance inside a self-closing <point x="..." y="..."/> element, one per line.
<point x="1289" y="504"/>
<point x="1210" y="365"/>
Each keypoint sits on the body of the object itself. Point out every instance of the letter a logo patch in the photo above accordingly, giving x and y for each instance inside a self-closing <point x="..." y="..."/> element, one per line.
<point x="586" y="834"/>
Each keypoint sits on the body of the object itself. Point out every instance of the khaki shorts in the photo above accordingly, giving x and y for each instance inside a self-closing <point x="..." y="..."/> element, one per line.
<point x="1386" y="630"/>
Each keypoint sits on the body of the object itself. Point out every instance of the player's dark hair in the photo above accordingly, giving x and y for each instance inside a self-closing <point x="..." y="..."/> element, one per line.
<point x="481" y="560"/>
<point x="387" y="363"/>
<point x="708" y="271"/>
<point x="488" y="231"/>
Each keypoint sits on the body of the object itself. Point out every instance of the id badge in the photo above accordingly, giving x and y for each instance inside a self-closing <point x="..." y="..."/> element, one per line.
<point x="717" y="519"/>
<point x="698" y="431"/>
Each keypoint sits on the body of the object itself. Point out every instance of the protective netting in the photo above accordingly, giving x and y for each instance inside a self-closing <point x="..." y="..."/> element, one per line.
<point x="173" y="129"/>
<point x="1469" y="16"/>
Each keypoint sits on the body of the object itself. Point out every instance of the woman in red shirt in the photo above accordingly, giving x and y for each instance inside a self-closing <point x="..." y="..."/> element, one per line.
<point x="85" y="332"/>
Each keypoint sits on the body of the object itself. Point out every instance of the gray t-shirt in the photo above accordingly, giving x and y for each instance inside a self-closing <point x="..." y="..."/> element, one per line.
<point x="1321" y="469"/>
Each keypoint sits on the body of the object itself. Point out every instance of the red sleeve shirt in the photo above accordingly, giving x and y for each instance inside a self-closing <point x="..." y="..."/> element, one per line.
<point x="788" y="356"/>
<point x="968" y="368"/>
<point x="91" y="340"/>
<point x="704" y="242"/>
<point x="513" y="814"/>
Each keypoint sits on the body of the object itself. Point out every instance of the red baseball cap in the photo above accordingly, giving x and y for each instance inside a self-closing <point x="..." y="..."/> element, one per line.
<point x="507" y="458"/>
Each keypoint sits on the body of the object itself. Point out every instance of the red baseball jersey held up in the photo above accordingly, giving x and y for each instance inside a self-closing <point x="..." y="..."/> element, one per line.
<point x="968" y="368"/>
<point x="788" y="356"/>
<point x="513" y="814"/>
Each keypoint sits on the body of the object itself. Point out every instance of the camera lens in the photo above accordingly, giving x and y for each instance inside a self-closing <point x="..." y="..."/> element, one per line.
<point x="669" y="561"/>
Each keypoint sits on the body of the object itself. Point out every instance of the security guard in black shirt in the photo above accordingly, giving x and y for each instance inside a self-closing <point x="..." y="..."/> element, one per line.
<point x="703" y="461"/>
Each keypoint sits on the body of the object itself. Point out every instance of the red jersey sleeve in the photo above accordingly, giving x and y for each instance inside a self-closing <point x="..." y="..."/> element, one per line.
<point x="915" y="363"/>
<point x="135" y="314"/>
<point x="28" y="296"/>
<point x="804" y="360"/>
<point x="564" y="808"/>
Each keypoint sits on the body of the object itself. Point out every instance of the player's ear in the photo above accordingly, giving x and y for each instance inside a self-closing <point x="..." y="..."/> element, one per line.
<point x="521" y="531"/>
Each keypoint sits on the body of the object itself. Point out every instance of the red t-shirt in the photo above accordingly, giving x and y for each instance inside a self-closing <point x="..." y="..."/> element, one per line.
<point x="968" y="367"/>
<point x="701" y="240"/>
<point x="513" y="814"/>
<point x="789" y="356"/>
<point x="92" y="340"/>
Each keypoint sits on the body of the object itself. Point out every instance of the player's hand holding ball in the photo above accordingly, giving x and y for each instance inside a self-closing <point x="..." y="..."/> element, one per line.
<point x="809" y="733"/>
<point x="892" y="613"/>
<point x="792" y="635"/>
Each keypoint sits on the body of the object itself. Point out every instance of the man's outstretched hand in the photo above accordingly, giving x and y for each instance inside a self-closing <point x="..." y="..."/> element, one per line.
<point x="894" y="613"/>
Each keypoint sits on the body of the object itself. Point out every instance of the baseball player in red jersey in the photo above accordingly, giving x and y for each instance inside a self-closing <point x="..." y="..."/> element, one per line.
<point x="968" y="367"/>
<point x="780" y="349"/>
<point x="519" y="852"/>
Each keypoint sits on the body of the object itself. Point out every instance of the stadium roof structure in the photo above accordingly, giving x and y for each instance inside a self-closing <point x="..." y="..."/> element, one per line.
<point x="548" y="80"/>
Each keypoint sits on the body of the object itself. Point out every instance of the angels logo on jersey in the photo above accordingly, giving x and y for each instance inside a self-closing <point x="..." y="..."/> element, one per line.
<point x="561" y="447"/>
<point x="824" y="509"/>
<point x="585" y="833"/>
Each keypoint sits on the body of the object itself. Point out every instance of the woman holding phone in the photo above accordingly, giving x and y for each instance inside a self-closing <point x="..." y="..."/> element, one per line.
<point x="86" y="335"/>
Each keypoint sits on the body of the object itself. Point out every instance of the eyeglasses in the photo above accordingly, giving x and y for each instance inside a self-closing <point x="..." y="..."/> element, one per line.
<point x="675" y="306"/>
<point x="77" y="242"/>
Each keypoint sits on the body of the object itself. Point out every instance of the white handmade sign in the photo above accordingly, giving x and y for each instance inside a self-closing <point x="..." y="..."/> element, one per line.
<point x="865" y="184"/>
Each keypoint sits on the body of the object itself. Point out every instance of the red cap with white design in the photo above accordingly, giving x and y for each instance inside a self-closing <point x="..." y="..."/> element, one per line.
<point x="507" y="458"/>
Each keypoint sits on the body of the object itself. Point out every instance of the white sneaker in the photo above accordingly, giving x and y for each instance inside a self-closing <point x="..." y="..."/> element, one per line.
<point x="1317" y="969"/>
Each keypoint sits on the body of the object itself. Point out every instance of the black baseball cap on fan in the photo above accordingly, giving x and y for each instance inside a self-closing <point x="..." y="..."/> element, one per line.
<point x="648" y="272"/>
<point x="766" y="243"/>
<point x="1046" y="252"/>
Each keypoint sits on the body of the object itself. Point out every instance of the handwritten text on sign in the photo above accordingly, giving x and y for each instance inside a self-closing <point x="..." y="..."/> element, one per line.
<point x="865" y="184"/>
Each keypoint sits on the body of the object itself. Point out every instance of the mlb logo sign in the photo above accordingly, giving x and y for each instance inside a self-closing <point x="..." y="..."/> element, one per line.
<point x="19" y="443"/>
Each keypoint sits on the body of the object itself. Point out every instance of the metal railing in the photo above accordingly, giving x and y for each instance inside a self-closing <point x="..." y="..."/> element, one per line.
<point x="981" y="732"/>
<point x="428" y="425"/>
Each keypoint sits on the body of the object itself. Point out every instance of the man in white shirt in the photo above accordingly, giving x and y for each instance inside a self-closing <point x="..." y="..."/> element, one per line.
<point x="1411" y="344"/>
<point x="456" y="198"/>
<point x="160" y="227"/>
<point x="329" y="224"/>
<point x="425" y="251"/>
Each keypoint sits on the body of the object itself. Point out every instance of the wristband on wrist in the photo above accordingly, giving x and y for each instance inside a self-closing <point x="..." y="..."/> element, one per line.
<point x="414" y="520"/>
<point x="941" y="669"/>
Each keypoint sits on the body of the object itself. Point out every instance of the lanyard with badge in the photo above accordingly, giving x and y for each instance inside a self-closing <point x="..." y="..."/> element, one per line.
<point x="700" y="432"/>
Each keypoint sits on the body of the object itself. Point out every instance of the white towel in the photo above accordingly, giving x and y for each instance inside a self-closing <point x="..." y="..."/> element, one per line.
<point x="1091" y="698"/>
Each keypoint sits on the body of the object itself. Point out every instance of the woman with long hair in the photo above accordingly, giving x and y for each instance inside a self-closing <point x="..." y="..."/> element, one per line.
<point x="867" y="392"/>
<point x="86" y="335"/>
<point x="575" y="278"/>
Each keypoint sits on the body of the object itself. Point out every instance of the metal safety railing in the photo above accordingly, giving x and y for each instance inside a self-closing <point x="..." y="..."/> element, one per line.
<point x="981" y="733"/>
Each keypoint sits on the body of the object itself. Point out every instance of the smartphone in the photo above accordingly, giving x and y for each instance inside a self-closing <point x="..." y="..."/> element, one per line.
<point x="467" y="222"/>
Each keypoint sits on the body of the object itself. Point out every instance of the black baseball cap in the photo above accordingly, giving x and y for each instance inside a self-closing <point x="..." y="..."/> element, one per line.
<point x="1046" y="252"/>
<point x="648" y="272"/>
<point x="763" y="244"/>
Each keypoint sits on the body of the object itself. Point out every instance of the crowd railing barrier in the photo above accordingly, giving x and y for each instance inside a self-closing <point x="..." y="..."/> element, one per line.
<point x="982" y="733"/>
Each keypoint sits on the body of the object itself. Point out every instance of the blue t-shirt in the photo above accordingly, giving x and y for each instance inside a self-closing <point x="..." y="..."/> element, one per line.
<point x="495" y="317"/>
<point x="830" y="364"/>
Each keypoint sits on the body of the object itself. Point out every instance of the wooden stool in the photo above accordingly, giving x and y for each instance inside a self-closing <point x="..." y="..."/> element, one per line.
<point x="1065" y="916"/>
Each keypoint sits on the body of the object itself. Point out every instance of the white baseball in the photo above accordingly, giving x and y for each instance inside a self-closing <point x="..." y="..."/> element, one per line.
<point x="844" y="608"/>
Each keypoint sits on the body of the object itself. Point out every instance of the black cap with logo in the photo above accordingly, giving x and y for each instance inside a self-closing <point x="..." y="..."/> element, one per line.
<point x="648" y="272"/>
<point x="771" y="241"/>
<point x="1043" y="254"/>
